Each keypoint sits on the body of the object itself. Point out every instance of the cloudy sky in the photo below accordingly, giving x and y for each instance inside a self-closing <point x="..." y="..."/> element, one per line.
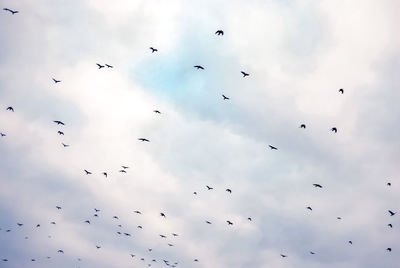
<point x="298" y="54"/>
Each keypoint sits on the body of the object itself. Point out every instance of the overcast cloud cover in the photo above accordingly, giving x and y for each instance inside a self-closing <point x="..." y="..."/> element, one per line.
<point x="298" y="55"/>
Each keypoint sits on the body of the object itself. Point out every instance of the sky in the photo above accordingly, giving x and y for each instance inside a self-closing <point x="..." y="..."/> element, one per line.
<point x="298" y="54"/>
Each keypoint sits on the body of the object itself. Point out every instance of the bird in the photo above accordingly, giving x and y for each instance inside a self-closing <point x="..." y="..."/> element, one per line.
<point x="209" y="188"/>
<point x="390" y="225"/>
<point x="229" y="190"/>
<point x="95" y="215"/>
<point x="198" y="67"/>
<point x="225" y="97"/>
<point x="174" y="234"/>
<point x="341" y="91"/>
<point x="309" y="208"/>
<point x="157" y="111"/>
<point x="229" y="222"/>
<point x="163" y="236"/>
<point x="9" y="108"/>
<point x="302" y="126"/>
<point x="58" y="207"/>
<point x="2" y="134"/>
<point x="60" y="251"/>
<point x="87" y="221"/>
<point x="87" y="173"/>
<point x="339" y="218"/>
<point x="388" y="184"/>
<point x="137" y="212"/>
<point x="105" y="174"/>
<point x="219" y="32"/>
<point x="115" y="217"/>
<point x="65" y="145"/>
<point x="162" y="215"/>
<point x="4" y="260"/>
<point x="109" y="66"/>
<point x="122" y="170"/>
<point x="351" y="242"/>
<point x="11" y="11"/>
<point x="98" y="247"/>
<point x="56" y="81"/>
<point x="60" y="132"/>
<point x="250" y="219"/>
<point x="124" y="167"/>
<point x="195" y="193"/>
<point x="20" y="224"/>
<point x="53" y="222"/>
<point x="391" y="212"/>
<point x="196" y="260"/>
<point x="312" y="253"/>
<point x="100" y="66"/>
<point x="283" y="256"/>
<point x="317" y="185"/>
<point x="143" y="139"/>
<point x="389" y="249"/>
<point x="127" y="234"/>
<point x="334" y="129"/>
<point x="153" y="49"/>
<point x="37" y="225"/>
<point x="170" y="245"/>
<point x="208" y="222"/>
<point x="140" y="227"/>
<point x="96" y="210"/>
<point x="133" y="255"/>
<point x="59" y="122"/>
<point x="245" y="74"/>
<point x="272" y="147"/>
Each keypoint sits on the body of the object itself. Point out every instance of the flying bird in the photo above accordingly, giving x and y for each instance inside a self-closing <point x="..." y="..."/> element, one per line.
<point x="245" y="74"/>
<point x="198" y="67"/>
<point x="87" y="221"/>
<point x="2" y="134"/>
<point x="283" y="256"/>
<point x="140" y="227"/>
<point x="339" y="218"/>
<point x="334" y="129"/>
<point x="312" y="253"/>
<point x="109" y="66"/>
<point x="58" y="122"/>
<point x="20" y="224"/>
<point x="389" y="249"/>
<point x="11" y="11"/>
<point x="229" y="190"/>
<point x="153" y="49"/>
<point x="4" y="260"/>
<point x="174" y="234"/>
<point x="229" y="222"/>
<point x="208" y="222"/>
<point x="389" y="184"/>
<point x="272" y="147"/>
<point x="115" y="217"/>
<point x="317" y="185"/>
<point x="249" y="219"/>
<point x="65" y="145"/>
<point x="391" y="212"/>
<point x="60" y="132"/>
<point x="309" y="208"/>
<point x="341" y="91"/>
<point x="351" y="242"/>
<point x="60" y="251"/>
<point x="143" y="139"/>
<point x="37" y="225"/>
<point x="225" y="97"/>
<point x="390" y="225"/>
<point x="58" y="207"/>
<point x="127" y="234"/>
<point x="162" y="215"/>
<point x="95" y="215"/>
<point x="163" y="236"/>
<point x="96" y="210"/>
<point x="98" y="247"/>
<point x="137" y="212"/>
<point x="209" y="188"/>
<point x="124" y="167"/>
<point x="219" y="32"/>
<point x="53" y="222"/>
<point x="56" y="81"/>
<point x="87" y="173"/>
<point x="157" y="111"/>
<point x="302" y="126"/>
<point x="9" y="108"/>
<point x="105" y="174"/>
<point x="100" y="66"/>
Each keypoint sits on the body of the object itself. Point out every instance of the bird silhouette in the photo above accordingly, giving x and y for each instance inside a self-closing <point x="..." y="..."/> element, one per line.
<point x="196" y="260"/>
<point x="208" y="222"/>
<point x="96" y="210"/>
<point x="153" y="49"/>
<point x="127" y="234"/>
<point x="272" y="147"/>
<point x="219" y="32"/>
<point x="4" y="260"/>
<point x="105" y="174"/>
<point x="199" y="67"/>
<point x="109" y="66"/>
<point x="317" y="185"/>
<point x="283" y="256"/>
<point x="341" y="91"/>
<point x="140" y="227"/>
<point x="250" y="219"/>
<point x="115" y="217"/>
<point x="388" y="184"/>
<point x="60" y="251"/>
<point x="60" y="132"/>
<point x="58" y="122"/>
<point x="2" y="134"/>
<point x="137" y="212"/>
<point x="334" y="129"/>
<point x="11" y="11"/>
<point x="225" y="97"/>
<point x="339" y="218"/>
<point x="87" y="172"/>
<point x="162" y="215"/>
<point x="312" y="253"/>
<point x="143" y="139"/>
<point x="229" y="222"/>
<point x="163" y="236"/>
<point x="302" y="126"/>
<point x="98" y="247"/>
<point x="389" y="249"/>
<point x="9" y="108"/>
<point x="209" y="188"/>
<point x="20" y="224"/>
<point x="229" y="190"/>
<point x="56" y="81"/>
<point x="122" y="170"/>
<point x="65" y="145"/>
<point x="95" y="215"/>
<point x="390" y="225"/>
<point x="170" y="245"/>
<point x="124" y="167"/>
<point x="245" y="74"/>
<point x="351" y="242"/>
<point x="100" y="66"/>
<point x="174" y="234"/>
<point x="53" y="222"/>
<point x="392" y="213"/>
<point x="58" y="207"/>
<point x="87" y="221"/>
<point x="37" y="225"/>
<point x="309" y="208"/>
<point x="157" y="111"/>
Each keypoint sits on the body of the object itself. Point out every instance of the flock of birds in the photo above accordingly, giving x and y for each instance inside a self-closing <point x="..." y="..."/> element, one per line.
<point x="124" y="169"/>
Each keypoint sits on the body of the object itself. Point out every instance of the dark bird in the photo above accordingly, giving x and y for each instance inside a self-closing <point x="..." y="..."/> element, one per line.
<point x="389" y="249"/>
<point x="283" y="256"/>
<point x="115" y="217"/>
<point x="109" y="66"/>
<point x="122" y="170"/>
<point x="162" y="215"/>
<point x="65" y="145"/>
<point x="58" y="207"/>
<point x="229" y="222"/>
<point x="56" y="81"/>
<point x="351" y="242"/>
<point x="2" y="134"/>
<point x="127" y="234"/>
<point x="341" y="91"/>
<point x="391" y="212"/>
<point x="196" y="260"/>
<point x="9" y="108"/>
<point x="208" y="222"/>
<point x="153" y="49"/>
<point x="174" y="234"/>
<point x="334" y="129"/>
<point x="195" y="193"/>
<point x="209" y="188"/>
<point x="105" y="174"/>
<point x="317" y="185"/>
<point x="4" y="260"/>
<point x="124" y="167"/>
<point x="272" y="147"/>
<point x="249" y="219"/>
<point x="339" y="218"/>
<point x="87" y="172"/>
<point x="157" y="111"/>
<point x="96" y="210"/>
<point x="170" y="245"/>
<point x="100" y="66"/>
<point x="245" y="74"/>
<point x="137" y="212"/>
<point x="140" y="227"/>
<point x="59" y="122"/>
<point x="53" y="222"/>
<point x="133" y="255"/>
<point x="98" y="247"/>
<point x="162" y="236"/>
<point x="143" y="139"/>
<point x="219" y="32"/>
<point x="309" y="208"/>
<point x="38" y="225"/>
<point x="95" y="215"/>
<point x="11" y="11"/>
<point x="87" y="221"/>
<point x="390" y="225"/>
<point x="60" y="132"/>
<point x="229" y="190"/>
<point x="19" y="224"/>
<point x="312" y="253"/>
<point x="225" y="97"/>
<point x="119" y="233"/>
<point x="389" y="184"/>
<point x="60" y="251"/>
<point x="198" y="67"/>
<point x="302" y="126"/>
